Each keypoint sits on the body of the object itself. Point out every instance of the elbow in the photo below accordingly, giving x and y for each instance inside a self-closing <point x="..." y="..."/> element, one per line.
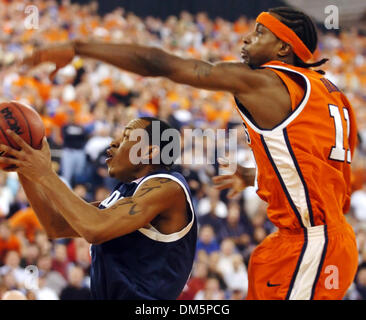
<point x="51" y="235"/>
<point x="156" y="63"/>
<point x="92" y="237"/>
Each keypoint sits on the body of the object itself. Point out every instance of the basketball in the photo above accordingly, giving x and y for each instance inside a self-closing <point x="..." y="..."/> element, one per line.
<point x="24" y="121"/>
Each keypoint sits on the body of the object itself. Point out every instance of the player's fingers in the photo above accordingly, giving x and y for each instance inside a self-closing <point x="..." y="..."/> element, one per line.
<point x="219" y="179"/>
<point x="224" y="163"/>
<point x="4" y="149"/>
<point x="32" y="60"/>
<point x="11" y="168"/>
<point x="232" y="193"/>
<point x="53" y="74"/>
<point x="45" y="145"/>
<point x="19" y="141"/>
<point x="10" y="161"/>
<point x="223" y="186"/>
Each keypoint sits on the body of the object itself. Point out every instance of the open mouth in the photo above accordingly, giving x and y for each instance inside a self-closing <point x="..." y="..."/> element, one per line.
<point x="244" y="53"/>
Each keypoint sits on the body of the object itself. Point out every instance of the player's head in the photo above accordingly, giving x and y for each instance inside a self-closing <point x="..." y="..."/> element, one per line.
<point x="146" y="144"/>
<point x="283" y="34"/>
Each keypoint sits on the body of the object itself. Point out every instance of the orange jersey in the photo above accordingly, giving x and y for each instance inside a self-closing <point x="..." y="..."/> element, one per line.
<point x="303" y="163"/>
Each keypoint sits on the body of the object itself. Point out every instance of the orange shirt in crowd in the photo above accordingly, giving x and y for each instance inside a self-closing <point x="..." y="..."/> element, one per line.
<point x="10" y="244"/>
<point x="27" y="219"/>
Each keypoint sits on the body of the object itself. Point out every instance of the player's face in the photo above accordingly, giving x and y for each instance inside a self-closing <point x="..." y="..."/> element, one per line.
<point x="260" y="46"/>
<point x="119" y="161"/>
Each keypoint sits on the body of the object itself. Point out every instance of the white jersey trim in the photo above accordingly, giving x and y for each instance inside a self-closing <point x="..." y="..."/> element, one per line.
<point x="293" y="115"/>
<point x="152" y="232"/>
<point x="311" y="261"/>
<point x="282" y="159"/>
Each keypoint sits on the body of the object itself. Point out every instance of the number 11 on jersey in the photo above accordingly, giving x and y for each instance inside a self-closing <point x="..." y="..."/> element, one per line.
<point x="338" y="152"/>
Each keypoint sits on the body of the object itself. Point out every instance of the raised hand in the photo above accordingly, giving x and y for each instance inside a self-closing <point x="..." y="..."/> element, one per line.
<point x="31" y="163"/>
<point x="236" y="182"/>
<point x="61" y="55"/>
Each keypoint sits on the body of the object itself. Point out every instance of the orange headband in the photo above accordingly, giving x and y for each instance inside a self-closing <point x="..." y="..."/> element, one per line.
<point x="285" y="34"/>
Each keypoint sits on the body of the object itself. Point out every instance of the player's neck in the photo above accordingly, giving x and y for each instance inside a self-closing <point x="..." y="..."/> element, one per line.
<point x="145" y="170"/>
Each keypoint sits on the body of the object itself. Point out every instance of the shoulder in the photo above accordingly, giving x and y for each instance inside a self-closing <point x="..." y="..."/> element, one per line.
<point x="167" y="186"/>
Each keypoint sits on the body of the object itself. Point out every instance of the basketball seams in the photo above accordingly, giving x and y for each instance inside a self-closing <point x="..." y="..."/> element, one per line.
<point x="26" y="120"/>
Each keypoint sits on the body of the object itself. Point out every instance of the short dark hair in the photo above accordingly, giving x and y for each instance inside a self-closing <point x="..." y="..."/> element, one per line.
<point x="305" y="29"/>
<point x="174" y="139"/>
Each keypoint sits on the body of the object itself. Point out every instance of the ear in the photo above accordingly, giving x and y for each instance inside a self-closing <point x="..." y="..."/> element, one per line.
<point x="285" y="50"/>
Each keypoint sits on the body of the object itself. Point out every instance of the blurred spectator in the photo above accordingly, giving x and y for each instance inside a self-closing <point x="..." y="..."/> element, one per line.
<point x="6" y="196"/>
<point x="211" y="291"/>
<point x="51" y="279"/>
<point x="27" y="220"/>
<point x="361" y="282"/>
<point x="8" y="240"/>
<point x="12" y="265"/>
<point x="214" y="271"/>
<point x="73" y="155"/>
<point x="212" y="203"/>
<point x="212" y="220"/>
<point x="237" y="295"/>
<point x="358" y="203"/>
<point x="20" y="202"/>
<point x="60" y="261"/>
<point x="234" y="228"/>
<point x="206" y="240"/>
<point x="75" y="290"/>
<point x="30" y="256"/>
<point x="236" y="278"/>
<point x="13" y="295"/>
<point x="44" y="292"/>
<point x="227" y="252"/>
<point x="196" y="282"/>
<point x="45" y="245"/>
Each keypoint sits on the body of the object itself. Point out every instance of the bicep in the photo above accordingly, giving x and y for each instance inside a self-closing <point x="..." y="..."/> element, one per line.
<point x="132" y="213"/>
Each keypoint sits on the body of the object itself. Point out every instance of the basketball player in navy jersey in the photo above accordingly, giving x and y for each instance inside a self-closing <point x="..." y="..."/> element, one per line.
<point x="143" y="236"/>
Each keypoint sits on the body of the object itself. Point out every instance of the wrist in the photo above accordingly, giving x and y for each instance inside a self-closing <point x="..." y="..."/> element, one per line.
<point x="47" y="178"/>
<point x="247" y="174"/>
<point x="76" y="45"/>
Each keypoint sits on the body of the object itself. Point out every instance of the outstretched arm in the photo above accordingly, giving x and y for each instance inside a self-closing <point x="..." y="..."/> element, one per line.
<point x="147" y="61"/>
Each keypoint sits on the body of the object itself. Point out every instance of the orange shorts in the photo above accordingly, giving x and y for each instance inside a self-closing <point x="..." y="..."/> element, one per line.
<point x="317" y="263"/>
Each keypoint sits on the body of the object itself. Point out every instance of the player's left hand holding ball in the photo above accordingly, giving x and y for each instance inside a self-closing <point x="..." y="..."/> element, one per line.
<point x="32" y="163"/>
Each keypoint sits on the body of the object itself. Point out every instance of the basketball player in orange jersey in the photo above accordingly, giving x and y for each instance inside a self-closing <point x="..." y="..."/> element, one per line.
<point x="302" y="131"/>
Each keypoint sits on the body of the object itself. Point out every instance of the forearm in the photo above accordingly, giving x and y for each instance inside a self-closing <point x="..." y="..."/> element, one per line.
<point x="53" y="223"/>
<point x="80" y="215"/>
<point x="153" y="62"/>
<point x="143" y="60"/>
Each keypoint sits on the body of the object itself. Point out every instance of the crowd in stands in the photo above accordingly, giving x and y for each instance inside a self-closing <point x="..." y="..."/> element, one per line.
<point x="89" y="103"/>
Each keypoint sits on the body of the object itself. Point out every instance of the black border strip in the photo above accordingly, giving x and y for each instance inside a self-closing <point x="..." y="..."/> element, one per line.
<point x="308" y="202"/>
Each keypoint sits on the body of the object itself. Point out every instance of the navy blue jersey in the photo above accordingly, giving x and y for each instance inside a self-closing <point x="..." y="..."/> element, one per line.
<point x="144" y="264"/>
